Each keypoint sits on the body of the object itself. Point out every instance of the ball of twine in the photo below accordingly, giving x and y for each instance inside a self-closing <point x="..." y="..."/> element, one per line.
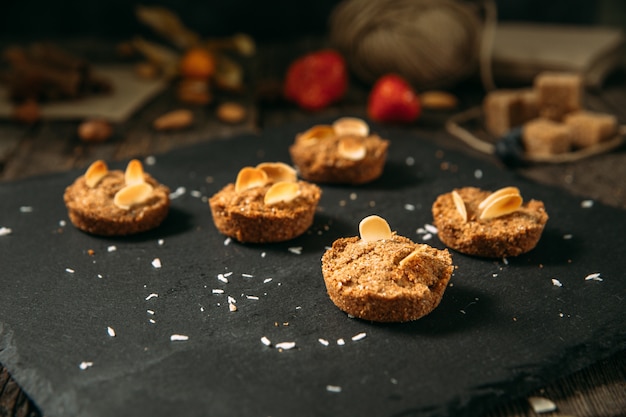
<point x="431" y="43"/>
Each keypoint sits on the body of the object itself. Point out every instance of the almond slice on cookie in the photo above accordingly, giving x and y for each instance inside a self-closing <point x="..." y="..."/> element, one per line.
<point x="96" y="171"/>
<point x="316" y="133"/>
<point x="351" y="126"/>
<point x="497" y="194"/>
<point x="501" y="206"/>
<point x="134" y="173"/>
<point x="281" y="192"/>
<point x="373" y="228"/>
<point x="249" y="177"/>
<point x="351" y="148"/>
<point x="460" y="205"/>
<point x="132" y="195"/>
<point x="278" y="171"/>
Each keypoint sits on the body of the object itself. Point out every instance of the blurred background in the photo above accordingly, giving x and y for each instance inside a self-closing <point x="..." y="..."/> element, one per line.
<point x="264" y="20"/>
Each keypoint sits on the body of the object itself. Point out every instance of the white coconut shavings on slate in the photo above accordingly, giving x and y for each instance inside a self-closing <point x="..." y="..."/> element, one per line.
<point x="85" y="364"/>
<point x="111" y="331"/>
<point x="5" y="231"/>
<point x="333" y="388"/>
<point x="180" y="191"/>
<point x="586" y="203"/>
<point x="156" y="263"/>
<point x="179" y="338"/>
<point x="556" y="282"/>
<point x="593" y="277"/>
<point x="285" y="345"/>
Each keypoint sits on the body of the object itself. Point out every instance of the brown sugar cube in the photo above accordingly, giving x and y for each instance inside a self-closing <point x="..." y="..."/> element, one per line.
<point x="544" y="137"/>
<point x="589" y="128"/>
<point x="529" y="109"/>
<point x="506" y="109"/>
<point x="558" y="94"/>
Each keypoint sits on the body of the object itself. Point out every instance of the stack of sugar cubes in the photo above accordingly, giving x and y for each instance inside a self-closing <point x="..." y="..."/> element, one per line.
<point x="551" y="115"/>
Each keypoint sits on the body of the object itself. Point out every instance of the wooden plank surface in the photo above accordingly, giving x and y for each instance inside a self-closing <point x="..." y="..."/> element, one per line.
<point x="53" y="146"/>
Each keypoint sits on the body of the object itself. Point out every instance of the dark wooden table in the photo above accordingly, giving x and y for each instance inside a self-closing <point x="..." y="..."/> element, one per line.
<point x="53" y="146"/>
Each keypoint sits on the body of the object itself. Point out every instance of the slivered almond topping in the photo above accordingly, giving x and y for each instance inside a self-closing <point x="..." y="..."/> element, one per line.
<point x="374" y="228"/>
<point x="278" y="171"/>
<point x="132" y="195"/>
<point x="351" y="126"/>
<point x="134" y="173"/>
<point x="408" y="258"/>
<point x="497" y="194"/>
<point x="460" y="205"/>
<point x="317" y="132"/>
<point x="351" y="148"/>
<point x="501" y="206"/>
<point x="281" y="192"/>
<point x="249" y="177"/>
<point x="96" y="171"/>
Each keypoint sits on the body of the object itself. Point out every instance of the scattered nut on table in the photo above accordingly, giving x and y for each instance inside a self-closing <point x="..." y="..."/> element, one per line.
<point x="174" y="120"/>
<point x="95" y="130"/>
<point x="438" y="100"/>
<point x="231" y="112"/>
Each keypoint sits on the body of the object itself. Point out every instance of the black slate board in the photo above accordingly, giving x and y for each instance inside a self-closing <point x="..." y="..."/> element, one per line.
<point x="502" y="328"/>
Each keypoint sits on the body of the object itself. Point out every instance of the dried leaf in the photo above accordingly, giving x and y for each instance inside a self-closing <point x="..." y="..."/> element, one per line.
<point x="167" y="24"/>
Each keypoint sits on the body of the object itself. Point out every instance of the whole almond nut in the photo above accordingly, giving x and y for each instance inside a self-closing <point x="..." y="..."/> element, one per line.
<point x="231" y="112"/>
<point x="174" y="120"/>
<point x="438" y="100"/>
<point x="95" y="130"/>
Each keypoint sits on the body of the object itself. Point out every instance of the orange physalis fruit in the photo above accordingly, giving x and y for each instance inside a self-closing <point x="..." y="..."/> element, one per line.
<point x="197" y="63"/>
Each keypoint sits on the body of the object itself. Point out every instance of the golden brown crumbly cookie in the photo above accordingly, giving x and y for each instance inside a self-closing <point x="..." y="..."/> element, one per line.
<point x="92" y="208"/>
<point x="325" y="154"/>
<point x="507" y="235"/>
<point x="386" y="280"/>
<point x="246" y="214"/>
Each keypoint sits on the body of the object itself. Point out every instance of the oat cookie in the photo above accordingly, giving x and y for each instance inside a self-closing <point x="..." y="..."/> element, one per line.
<point x="267" y="203"/>
<point x="493" y="225"/>
<point x="116" y="203"/>
<point x="381" y="276"/>
<point x="342" y="153"/>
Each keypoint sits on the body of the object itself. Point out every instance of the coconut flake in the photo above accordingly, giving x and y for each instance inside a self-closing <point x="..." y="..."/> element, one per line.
<point x="69" y="270"/>
<point x="156" y="263"/>
<point x="222" y="278"/>
<point x="285" y="345"/>
<point x="593" y="277"/>
<point x="153" y="295"/>
<point x="4" y="231"/>
<point x="111" y="331"/>
<point x="266" y="341"/>
<point x="296" y="249"/>
<point x="217" y="291"/>
<point x="333" y="388"/>
<point x="26" y="209"/>
<point x="179" y="337"/>
<point x="431" y="229"/>
<point x="323" y="341"/>
<point x="556" y="282"/>
<point x="180" y="191"/>
<point x="359" y="336"/>
<point x="85" y="364"/>
<point x="111" y="248"/>
<point x="341" y="342"/>
<point x="586" y="203"/>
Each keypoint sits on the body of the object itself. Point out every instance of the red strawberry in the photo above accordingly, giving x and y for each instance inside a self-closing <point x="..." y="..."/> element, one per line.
<point x="393" y="100"/>
<point x="316" y="80"/>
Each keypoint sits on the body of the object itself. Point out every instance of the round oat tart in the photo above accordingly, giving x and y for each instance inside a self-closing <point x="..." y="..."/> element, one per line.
<point x="116" y="203"/>
<point x="493" y="225"/>
<point x="266" y="204"/>
<point x="342" y="153"/>
<point x="386" y="278"/>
